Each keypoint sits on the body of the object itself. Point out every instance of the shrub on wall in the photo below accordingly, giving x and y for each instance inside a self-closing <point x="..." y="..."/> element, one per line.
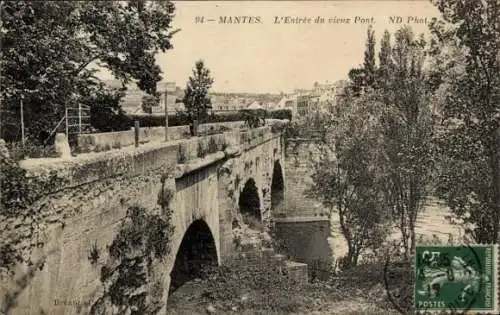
<point x="281" y="114"/>
<point x="19" y="151"/>
<point x="143" y="238"/>
<point x="18" y="192"/>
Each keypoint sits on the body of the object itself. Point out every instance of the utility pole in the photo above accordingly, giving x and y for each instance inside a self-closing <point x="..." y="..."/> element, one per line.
<point x="136" y="133"/>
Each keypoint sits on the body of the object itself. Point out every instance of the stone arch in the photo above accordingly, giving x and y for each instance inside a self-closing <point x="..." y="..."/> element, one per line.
<point x="197" y="250"/>
<point x="277" y="188"/>
<point x="249" y="203"/>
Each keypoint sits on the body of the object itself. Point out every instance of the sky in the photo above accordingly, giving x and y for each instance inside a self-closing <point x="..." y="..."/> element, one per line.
<point x="269" y="58"/>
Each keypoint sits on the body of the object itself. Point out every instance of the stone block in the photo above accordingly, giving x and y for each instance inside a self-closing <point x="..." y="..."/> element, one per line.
<point x="267" y="254"/>
<point x="278" y="259"/>
<point x="296" y="271"/>
<point x="62" y="146"/>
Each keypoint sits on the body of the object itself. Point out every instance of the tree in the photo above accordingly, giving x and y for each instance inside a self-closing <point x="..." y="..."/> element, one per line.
<point x="369" y="62"/>
<point x="48" y="50"/>
<point x="347" y="177"/>
<point x="385" y="63"/>
<point x="467" y="40"/>
<point x="196" y="98"/>
<point x="148" y="102"/>
<point x="407" y="127"/>
<point x="364" y="76"/>
<point x="356" y="83"/>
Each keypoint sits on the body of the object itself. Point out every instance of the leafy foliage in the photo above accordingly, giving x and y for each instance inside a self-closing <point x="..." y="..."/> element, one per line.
<point x="143" y="238"/>
<point x="408" y="127"/>
<point x="346" y="178"/>
<point x="369" y="66"/>
<point x="230" y="282"/>
<point x="106" y="113"/>
<point x="17" y="191"/>
<point x="49" y="50"/>
<point x="466" y="50"/>
<point x="148" y="102"/>
<point x="196" y="98"/>
<point x="248" y="288"/>
<point x="181" y="118"/>
<point x="382" y="146"/>
<point x="254" y="118"/>
<point x="364" y="76"/>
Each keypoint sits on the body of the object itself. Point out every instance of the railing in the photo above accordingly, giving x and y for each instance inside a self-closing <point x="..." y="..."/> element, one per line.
<point x="77" y="120"/>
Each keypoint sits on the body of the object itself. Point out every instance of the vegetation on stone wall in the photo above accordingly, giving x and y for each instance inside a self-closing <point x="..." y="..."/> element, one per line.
<point x="19" y="151"/>
<point x="94" y="254"/>
<point x="254" y="118"/>
<point x="144" y="238"/>
<point x="213" y="145"/>
<point x="129" y="285"/>
<point x="18" y="193"/>
<point x="181" y="154"/>
<point x="202" y="150"/>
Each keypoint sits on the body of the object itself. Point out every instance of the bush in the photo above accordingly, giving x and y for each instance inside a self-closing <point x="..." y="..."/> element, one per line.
<point x="182" y="119"/>
<point x="236" y="283"/>
<point x="280" y="114"/>
<point x="18" y="151"/>
<point x="202" y="150"/>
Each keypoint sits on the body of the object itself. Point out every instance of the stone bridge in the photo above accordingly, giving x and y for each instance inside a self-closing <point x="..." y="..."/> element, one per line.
<point x="201" y="184"/>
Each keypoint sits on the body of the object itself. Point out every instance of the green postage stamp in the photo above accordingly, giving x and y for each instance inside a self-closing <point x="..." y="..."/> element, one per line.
<point x="458" y="279"/>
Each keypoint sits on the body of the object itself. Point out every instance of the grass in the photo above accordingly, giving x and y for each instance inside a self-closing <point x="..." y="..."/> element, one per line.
<point x="240" y="288"/>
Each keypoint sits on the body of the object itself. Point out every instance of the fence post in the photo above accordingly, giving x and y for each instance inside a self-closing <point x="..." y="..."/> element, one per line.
<point x="166" y="115"/>
<point x="136" y="133"/>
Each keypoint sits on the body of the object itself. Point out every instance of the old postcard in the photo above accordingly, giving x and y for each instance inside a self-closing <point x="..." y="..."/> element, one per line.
<point x="249" y="157"/>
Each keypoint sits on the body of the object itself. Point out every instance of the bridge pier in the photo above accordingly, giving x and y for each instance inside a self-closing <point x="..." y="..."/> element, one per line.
<point x="227" y="201"/>
<point x="305" y="240"/>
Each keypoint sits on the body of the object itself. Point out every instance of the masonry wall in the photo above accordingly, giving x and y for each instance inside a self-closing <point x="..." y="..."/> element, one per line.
<point x="303" y="226"/>
<point x="71" y="221"/>
<point x="108" y="140"/>
<point x="300" y="156"/>
<point x="306" y="240"/>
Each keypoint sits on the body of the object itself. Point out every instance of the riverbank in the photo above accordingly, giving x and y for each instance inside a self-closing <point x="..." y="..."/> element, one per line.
<point x="242" y="289"/>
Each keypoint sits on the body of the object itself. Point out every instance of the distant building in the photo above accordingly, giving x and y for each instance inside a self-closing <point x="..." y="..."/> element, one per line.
<point x="288" y="102"/>
<point x="321" y="98"/>
<point x="255" y="105"/>
<point x="228" y="102"/>
<point x="170" y="94"/>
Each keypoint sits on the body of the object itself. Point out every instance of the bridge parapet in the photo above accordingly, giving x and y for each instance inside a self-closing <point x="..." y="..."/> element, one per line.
<point x="132" y="161"/>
